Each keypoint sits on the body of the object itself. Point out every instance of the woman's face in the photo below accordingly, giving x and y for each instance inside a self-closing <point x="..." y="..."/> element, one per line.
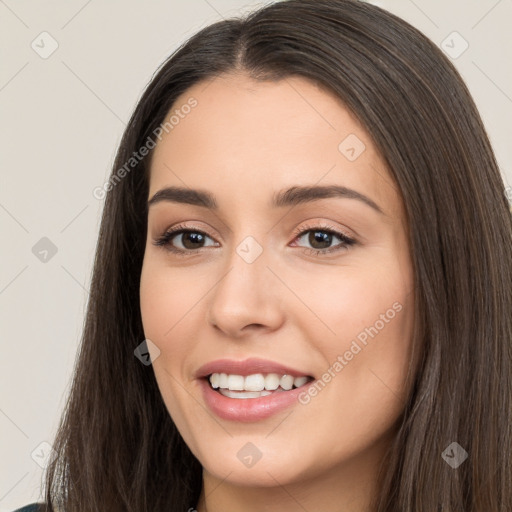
<point x="265" y="283"/>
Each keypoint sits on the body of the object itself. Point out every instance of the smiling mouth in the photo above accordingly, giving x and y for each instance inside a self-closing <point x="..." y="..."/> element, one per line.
<point x="256" y="385"/>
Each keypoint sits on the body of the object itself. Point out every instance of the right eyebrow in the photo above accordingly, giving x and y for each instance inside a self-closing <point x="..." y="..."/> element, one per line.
<point x="186" y="196"/>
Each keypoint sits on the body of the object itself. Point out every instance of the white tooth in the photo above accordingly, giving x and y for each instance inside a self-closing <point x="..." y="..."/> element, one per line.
<point x="214" y="380"/>
<point x="272" y="381"/>
<point x="300" y="381"/>
<point x="223" y="380"/>
<point x="244" y="394"/>
<point x="236" y="382"/>
<point x="286" y="382"/>
<point x="255" y="382"/>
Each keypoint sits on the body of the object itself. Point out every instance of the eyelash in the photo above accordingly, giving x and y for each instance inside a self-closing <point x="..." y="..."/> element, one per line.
<point x="164" y="240"/>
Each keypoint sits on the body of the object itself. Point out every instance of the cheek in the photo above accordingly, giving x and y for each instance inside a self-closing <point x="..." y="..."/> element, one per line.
<point x="162" y="309"/>
<point x="156" y="299"/>
<point x="366" y="321"/>
<point x="362" y="392"/>
<point x="165" y="298"/>
<point x="348" y="303"/>
<point x="368" y="350"/>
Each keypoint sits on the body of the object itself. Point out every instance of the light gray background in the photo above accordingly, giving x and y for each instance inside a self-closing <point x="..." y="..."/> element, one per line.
<point x="61" y="121"/>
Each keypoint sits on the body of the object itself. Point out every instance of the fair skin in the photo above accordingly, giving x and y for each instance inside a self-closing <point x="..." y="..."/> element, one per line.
<point x="244" y="142"/>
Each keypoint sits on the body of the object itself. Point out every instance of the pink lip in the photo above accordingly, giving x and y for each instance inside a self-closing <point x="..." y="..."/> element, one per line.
<point x="246" y="367"/>
<point x="247" y="409"/>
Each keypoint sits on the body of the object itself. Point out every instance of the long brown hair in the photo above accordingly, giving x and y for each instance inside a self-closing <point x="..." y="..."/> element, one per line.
<point x="117" y="447"/>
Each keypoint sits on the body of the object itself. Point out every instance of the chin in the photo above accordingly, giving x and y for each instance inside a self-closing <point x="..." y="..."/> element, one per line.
<point x="255" y="463"/>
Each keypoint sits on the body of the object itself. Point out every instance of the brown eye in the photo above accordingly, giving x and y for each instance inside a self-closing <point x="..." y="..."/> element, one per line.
<point x="191" y="239"/>
<point x="181" y="240"/>
<point x="321" y="239"/>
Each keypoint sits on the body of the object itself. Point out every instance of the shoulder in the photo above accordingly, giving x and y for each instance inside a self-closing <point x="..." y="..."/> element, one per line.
<point x="33" y="507"/>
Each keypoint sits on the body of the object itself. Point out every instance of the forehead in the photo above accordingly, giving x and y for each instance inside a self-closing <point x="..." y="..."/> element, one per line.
<point x="253" y="137"/>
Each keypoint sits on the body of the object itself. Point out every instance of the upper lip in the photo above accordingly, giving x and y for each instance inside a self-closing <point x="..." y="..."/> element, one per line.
<point x="247" y="367"/>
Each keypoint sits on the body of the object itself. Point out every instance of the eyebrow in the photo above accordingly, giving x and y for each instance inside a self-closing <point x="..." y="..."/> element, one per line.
<point x="288" y="197"/>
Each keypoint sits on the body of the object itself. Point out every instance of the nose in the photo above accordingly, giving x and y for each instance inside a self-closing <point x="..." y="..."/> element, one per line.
<point x="247" y="299"/>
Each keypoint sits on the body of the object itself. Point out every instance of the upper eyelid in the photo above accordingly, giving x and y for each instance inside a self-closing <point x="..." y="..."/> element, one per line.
<point x="182" y="227"/>
<point x="297" y="233"/>
<point x="317" y="226"/>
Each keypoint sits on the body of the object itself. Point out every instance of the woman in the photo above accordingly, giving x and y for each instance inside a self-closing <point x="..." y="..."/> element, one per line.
<point x="306" y="234"/>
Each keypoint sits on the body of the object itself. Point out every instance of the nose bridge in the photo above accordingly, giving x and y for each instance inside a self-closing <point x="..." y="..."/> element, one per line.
<point x="247" y="274"/>
<point x="244" y="295"/>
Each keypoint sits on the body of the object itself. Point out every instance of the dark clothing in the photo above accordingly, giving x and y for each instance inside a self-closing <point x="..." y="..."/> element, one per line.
<point x="33" y="507"/>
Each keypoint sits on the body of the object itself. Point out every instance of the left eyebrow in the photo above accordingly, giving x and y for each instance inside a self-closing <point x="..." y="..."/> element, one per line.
<point x="288" y="197"/>
<point x="304" y="194"/>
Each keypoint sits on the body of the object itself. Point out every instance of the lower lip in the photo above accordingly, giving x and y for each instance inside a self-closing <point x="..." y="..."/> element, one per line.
<point x="248" y="409"/>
